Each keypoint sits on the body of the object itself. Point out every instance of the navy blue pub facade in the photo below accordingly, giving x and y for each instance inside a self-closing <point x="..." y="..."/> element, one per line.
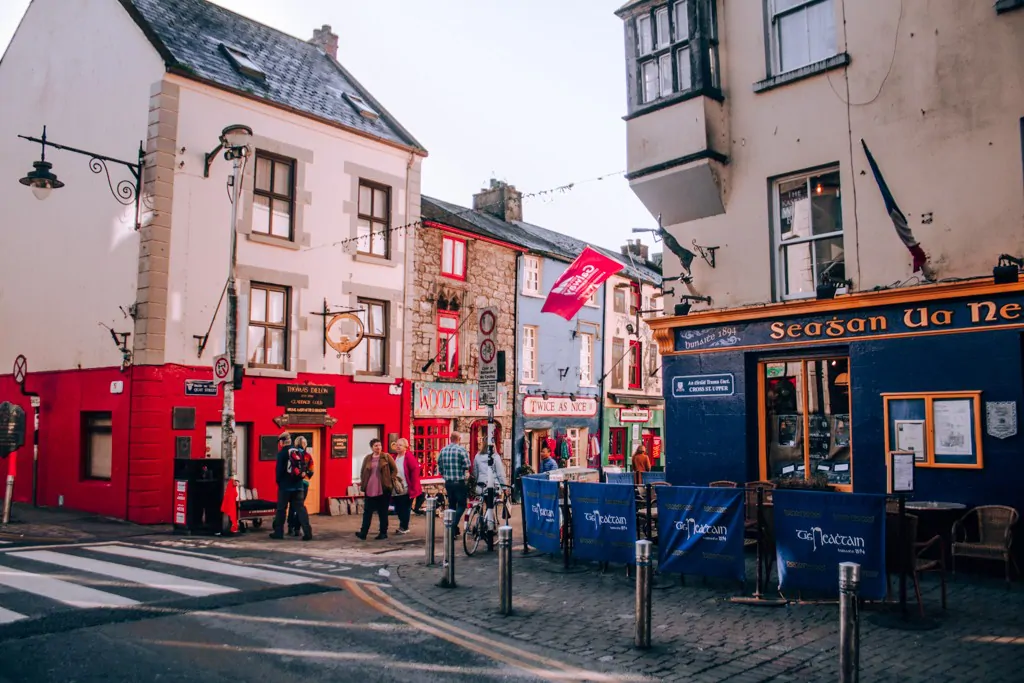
<point x="823" y="390"/>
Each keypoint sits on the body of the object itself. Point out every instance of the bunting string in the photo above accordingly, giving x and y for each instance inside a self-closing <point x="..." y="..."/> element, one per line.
<point x="548" y="194"/>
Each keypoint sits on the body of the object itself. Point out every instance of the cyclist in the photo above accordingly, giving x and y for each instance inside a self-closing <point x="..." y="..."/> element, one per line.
<point x="489" y="473"/>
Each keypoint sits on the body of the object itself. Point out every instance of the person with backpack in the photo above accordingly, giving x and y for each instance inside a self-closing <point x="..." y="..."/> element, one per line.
<point x="289" y="474"/>
<point x="293" y="513"/>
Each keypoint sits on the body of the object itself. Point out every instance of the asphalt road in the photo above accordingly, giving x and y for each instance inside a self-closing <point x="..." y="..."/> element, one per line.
<point x="338" y="635"/>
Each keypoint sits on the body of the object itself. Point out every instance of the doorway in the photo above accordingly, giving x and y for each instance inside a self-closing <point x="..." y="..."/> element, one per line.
<point x="313" y="494"/>
<point x="617" y="446"/>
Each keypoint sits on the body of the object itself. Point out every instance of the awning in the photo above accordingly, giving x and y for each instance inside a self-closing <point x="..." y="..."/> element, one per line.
<point x="629" y="400"/>
<point x="538" y="424"/>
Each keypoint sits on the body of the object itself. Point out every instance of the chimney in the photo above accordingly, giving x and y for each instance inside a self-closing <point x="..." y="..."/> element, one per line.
<point x="638" y="249"/>
<point x="324" y="39"/>
<point x="500" y="200"/>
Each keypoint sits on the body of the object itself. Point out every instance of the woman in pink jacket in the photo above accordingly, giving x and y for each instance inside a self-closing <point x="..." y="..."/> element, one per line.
<point x="409" y="473"/>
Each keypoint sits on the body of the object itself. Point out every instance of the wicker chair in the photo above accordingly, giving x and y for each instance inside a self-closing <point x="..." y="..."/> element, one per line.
<point x="994" y="536"/>
<point x="722" y="484"/>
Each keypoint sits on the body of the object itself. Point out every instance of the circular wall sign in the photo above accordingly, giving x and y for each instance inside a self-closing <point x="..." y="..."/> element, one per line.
<point x="487" y="322"/>
<point x="487" y="351"/>
<point x="348" y="330"/>
<point x="20" y="369"/>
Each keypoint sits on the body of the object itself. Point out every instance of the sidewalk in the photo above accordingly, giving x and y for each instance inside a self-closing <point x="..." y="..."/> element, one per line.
<point x="59" y="525"/>
<point x="699" y="636"/>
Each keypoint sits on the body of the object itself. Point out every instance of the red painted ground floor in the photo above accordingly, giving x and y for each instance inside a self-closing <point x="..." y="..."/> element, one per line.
<point x="108" y="439"/>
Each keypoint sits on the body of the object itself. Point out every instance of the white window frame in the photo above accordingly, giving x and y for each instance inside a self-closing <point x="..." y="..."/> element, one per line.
<point x="592" y="299"/>
<point x="530" y="334"/>
<point x="586" y="360"/>
<point x="781" y="274"/>
<point x="775" y="27"/>
<point x="214" y="441"/>
<point x="532" y="272"/>
<point x="356" y="445"/>
<point x="664" y="50"/>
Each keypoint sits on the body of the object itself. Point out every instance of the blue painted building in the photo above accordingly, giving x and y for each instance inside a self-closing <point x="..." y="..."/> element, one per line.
<point x="828" y="388"/>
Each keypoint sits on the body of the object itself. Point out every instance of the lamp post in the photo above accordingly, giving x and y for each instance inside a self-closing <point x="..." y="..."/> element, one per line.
<point x="235" y="141"/>
<point x="43" y="180"/>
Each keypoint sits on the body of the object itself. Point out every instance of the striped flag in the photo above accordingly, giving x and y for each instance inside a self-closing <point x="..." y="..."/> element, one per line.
<point x="899" y="221"/>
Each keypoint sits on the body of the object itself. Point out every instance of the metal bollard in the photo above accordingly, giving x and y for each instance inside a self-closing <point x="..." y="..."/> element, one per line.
<point x="642" y="638"/>
<point x="505" y="570"/>
<point x="849" y="623"/>
<point x="431" y="509"/>
<point x="8" y="496"/>
<point x="448" y="581"/>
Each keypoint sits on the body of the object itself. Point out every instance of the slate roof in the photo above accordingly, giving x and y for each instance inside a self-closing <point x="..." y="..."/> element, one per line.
<point x="188" y="35"/>
<point x="534" y="238"/>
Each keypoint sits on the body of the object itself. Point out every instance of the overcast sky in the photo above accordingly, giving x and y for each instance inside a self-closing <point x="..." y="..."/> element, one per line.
<point x="531" y="92"/>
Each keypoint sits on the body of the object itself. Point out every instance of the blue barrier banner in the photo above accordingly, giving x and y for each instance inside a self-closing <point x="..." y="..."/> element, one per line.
<point x="700" y="531"/>
<point x="651" y="477"/>
<point x="815" y="531"/>
<point x="603" y="522"/>
<point x="618" y="477"/>
<point x="540" y="498"/>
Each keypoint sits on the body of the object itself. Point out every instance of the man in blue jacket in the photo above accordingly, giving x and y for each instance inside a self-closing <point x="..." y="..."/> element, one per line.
<point x="289" y="492"/>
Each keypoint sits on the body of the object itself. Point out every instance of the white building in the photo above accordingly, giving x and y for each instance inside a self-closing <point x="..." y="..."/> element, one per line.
<point x="331" y="180"/>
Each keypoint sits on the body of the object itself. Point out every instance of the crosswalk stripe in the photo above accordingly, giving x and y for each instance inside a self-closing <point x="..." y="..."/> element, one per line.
<point x="153" y="579"/>
<point x="61" y="591"/>
<point x="191" y="562"/>
<point x="7" y="616"/>
<point x="4" y="542"/>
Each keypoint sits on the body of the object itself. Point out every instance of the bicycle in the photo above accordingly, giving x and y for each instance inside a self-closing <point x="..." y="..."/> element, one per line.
<point x="481" y="524"/>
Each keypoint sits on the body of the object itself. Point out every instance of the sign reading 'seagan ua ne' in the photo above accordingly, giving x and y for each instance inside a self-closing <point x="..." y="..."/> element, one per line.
<point x="700" y="531"/>
<point x="603" y="522"/>
<point x="540" y="497"/>
<point x="816" y="531"/>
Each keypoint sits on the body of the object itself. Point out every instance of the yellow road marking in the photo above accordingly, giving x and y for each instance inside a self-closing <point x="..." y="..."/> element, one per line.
<point x="384" y="603"/>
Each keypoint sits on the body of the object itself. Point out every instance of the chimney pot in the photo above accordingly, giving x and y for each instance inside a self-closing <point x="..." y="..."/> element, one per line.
<point x="326" y="40"/>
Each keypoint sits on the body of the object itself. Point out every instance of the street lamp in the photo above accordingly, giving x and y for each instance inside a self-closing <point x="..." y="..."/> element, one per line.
<point x="236" y="142"/>
<point x="43" y="180"/>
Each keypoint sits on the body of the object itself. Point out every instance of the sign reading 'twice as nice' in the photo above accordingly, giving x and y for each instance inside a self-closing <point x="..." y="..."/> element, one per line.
<point x="815" y="531"/>
<point x="700" y="531"/>
<point x="603" y="522"/>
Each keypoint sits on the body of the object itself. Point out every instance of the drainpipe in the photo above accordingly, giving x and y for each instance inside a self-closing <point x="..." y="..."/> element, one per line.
<point x="407" y="317"/>
<point x="517" y="453"/>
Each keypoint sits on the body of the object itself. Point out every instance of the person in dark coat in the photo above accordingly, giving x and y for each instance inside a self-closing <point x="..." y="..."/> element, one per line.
<point x="289" y="492"/>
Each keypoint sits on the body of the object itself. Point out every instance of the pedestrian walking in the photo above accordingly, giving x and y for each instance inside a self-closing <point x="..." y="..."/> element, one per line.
<point x="408" y="469"/>
<point x="293" y="513"/>
<point x="289" y="473"/>
<point x="453" y="465"/>
<point x="641" y="463"/>
<point x="377" y="479"/>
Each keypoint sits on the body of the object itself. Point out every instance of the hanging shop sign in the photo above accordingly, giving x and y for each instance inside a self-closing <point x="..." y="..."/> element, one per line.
<point x="556" y="406"/>
<point x="634" y="415"/>
<point x="947" y="316"/>
<point x="305" y="398"/>
<point x="441" y="400"/>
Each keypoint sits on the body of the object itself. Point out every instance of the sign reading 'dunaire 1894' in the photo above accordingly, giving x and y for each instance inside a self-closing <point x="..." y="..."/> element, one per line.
<point x="950" y="316"/>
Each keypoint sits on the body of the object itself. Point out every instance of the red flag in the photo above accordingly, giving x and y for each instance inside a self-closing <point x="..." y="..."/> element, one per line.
<point x="579" y="281"/>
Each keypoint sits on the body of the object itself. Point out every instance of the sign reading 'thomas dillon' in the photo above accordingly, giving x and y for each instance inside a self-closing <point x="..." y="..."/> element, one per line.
<point x="305" y="398"/>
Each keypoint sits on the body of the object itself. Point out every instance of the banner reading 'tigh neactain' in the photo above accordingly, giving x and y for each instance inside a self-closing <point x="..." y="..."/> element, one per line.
<point x="700" y="531"/>
<point x="540" y="498"/>
<point x="815" y="531"/>
<point x="603" y="522"/>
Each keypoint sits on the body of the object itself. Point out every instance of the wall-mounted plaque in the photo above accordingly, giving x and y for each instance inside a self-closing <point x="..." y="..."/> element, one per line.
<point x="268" y="447"/>
<point x="339" y="445"/>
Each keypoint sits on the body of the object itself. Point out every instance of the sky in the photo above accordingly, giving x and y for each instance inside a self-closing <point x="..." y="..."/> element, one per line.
<point x="531" y="92"/>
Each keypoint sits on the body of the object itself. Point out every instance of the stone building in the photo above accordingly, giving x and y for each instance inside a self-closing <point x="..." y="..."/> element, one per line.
<point x="465" y="261"/>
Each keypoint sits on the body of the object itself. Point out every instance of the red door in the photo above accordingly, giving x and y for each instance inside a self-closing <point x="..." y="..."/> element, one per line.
<point x="617" y="446"/>
<point x="428" y="438"/>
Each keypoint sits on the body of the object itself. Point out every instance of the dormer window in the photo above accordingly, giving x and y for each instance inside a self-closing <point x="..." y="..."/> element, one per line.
<point x="360" y="105"/>
<point x="242" y="62"/>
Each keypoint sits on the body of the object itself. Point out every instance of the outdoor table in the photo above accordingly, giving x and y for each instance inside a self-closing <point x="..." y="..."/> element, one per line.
<point x="935" y="518"/>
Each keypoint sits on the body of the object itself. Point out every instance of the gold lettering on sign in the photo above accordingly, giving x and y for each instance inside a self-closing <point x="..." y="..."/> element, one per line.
<point x="778" y="331"/>
<point x="878" y="323"/>
<point x="794" y="330"/>
<point x="922" y="317"/>
<point x="1010" y="311"/>
<point x="835" y="328"/>
<point x="978" y="306"/>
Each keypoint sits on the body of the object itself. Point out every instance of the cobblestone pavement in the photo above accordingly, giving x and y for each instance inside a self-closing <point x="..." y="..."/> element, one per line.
<point x="698" y="635"/>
